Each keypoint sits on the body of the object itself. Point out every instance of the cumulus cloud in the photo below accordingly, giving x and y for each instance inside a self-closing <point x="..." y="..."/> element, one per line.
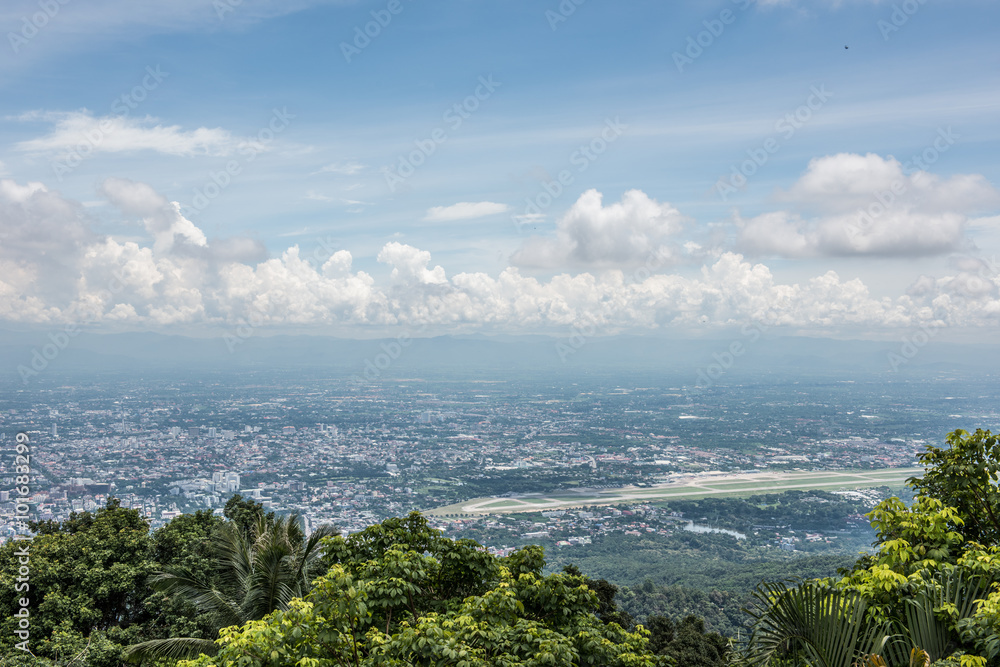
<point x="162" y="219"/>
<point x="409" y="264"/>
<point x="464" y="211"/>
<point x="82" y="133"/>
<point x="849" y="204"/>
<point x="636" y="230"/>
<point x="55" y="269"/>
<point x="41" y="234"/>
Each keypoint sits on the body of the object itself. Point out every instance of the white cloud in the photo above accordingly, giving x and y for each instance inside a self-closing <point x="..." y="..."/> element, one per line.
<point x="464" y="211"/>
<point x="636" y="230"/>
<point x="848" y="204"/>
<point x="409" y="264"/>
<point x="13" y="192"/>
<point x="55" y="269"/>
<point x="42" y="236"/>
<point x="82" y="133"/>
<point x="162" y="219"/>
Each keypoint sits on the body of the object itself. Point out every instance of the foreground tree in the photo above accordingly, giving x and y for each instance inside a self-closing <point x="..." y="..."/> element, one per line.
<point x="89" y="594"/>
<point x="924" y="596"/>
<point x="401" y="594"/>
<point x="85" y="591"/>
<point x="964" y="476"/>
<point x="259" y="564"/>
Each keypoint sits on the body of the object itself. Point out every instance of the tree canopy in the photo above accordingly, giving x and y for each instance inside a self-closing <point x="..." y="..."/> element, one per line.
<point x="400" y="593"/>
<point x="249" y="589"/>
<point x="928" y="593"/>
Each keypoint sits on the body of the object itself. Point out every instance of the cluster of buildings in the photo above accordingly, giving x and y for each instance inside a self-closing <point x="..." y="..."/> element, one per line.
<point x="335" y="453"/>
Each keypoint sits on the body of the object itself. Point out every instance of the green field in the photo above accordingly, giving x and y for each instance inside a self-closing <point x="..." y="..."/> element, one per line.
<point x="689" y="487"/>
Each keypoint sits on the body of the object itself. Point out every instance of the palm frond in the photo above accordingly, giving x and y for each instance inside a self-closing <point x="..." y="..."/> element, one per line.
<point x="271" y="586"/>
<point x="258" y="572"/>
<point x="175" y="648"/>
<point x="826" y="626"/>
<point x="310" y="559"/>
<point x="199" y="593"/>
<point x="235" y="554"/>
<point x="927" y="619"/>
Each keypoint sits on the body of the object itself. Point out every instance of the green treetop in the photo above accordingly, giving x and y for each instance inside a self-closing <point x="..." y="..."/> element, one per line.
<point x="400" y="593"/>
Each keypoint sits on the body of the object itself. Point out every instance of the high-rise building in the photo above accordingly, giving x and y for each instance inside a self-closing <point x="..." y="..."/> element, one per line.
<point x="225" y="482"/>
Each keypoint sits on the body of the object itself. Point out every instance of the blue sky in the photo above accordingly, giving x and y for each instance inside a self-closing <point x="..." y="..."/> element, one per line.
<point x="308" y="134"/>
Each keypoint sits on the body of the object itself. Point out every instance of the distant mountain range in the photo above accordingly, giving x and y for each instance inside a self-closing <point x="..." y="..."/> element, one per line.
<point x="92" y="353"/>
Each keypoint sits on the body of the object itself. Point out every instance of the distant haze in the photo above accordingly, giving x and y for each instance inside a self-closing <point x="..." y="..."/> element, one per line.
<point x="689" y="362"/>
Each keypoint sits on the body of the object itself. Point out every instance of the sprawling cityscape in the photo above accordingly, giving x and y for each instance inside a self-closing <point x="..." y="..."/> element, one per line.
<point x="338" y="453"/>
<point x="383" y="333"/>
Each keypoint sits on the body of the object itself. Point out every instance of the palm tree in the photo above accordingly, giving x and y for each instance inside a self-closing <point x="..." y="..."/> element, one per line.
<point x="825" y="626"/>
<point x="833" y="627"/>
<point x="257" y="572"/>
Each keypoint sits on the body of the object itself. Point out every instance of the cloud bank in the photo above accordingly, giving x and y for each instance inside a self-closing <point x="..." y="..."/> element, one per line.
<point x="850" y="204"/>
<point x="55" y="269"/>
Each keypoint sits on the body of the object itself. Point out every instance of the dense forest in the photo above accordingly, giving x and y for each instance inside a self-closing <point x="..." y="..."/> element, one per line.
<point x="250" y="588"/>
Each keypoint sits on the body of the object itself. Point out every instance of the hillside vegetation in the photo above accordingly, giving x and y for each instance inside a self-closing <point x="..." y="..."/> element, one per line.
<point x="251" y="589"/>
